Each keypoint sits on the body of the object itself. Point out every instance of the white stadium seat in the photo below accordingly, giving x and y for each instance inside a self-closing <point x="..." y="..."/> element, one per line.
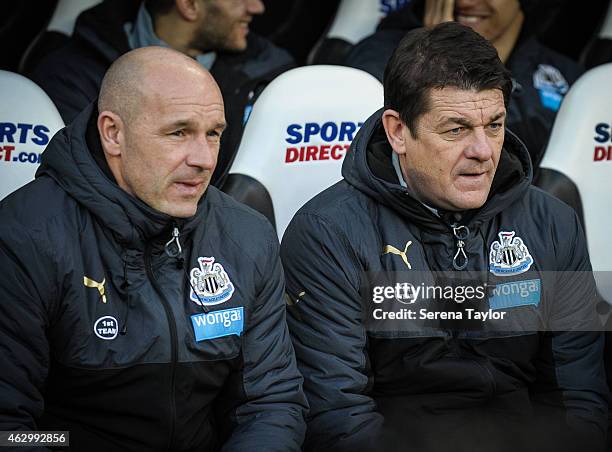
<point x="297" y="135"/>
<point x="354" y="21"/>
<point x="28" y="120"/>
<point x="579" y="156"/>
<point x="66" y="13"/>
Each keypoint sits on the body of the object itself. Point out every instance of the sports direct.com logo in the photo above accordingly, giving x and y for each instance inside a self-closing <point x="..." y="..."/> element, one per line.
<point x="602" y="136"/>
<point x="305" y="139"/>
<point x="14" y="137"/>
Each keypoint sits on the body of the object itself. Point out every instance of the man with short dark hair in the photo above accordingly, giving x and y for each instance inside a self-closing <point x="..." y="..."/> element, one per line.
<point x="213" y="32"/>
<point x="436" y="196"/>
<point x="142" y="309"/>
<point x="541" y="76"/>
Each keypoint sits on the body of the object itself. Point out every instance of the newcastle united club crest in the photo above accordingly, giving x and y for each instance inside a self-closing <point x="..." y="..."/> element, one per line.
<point x="509" y="255"/>
<point x="210" y="284"/>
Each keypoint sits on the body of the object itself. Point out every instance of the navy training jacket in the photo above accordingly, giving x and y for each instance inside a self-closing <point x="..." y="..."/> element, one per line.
<point x="104" y="334"/>
<point x="535" y="385"/>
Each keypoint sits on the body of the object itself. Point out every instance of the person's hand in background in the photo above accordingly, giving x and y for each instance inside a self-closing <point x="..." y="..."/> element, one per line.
<point x="438" y="11"/>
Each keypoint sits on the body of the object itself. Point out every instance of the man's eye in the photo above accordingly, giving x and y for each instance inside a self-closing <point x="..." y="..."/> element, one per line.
<point x="178" y="133"/>
<point x="214" y="134"/>
<point x="456" y="130"/>
<point x="495" y="125"/>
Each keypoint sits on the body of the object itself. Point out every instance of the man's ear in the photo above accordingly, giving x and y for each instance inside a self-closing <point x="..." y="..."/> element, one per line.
<point x="395" y="130"/>
<point x="189" y="10"/>
<point x="112" y="133"/>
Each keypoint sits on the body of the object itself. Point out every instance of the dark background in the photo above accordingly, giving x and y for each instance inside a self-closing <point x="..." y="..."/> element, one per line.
<point x="565" y="25"/>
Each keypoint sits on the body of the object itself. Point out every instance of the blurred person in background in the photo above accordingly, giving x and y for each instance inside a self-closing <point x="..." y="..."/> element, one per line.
<point x="213" y="32"/>
<point x="541" y="76"/>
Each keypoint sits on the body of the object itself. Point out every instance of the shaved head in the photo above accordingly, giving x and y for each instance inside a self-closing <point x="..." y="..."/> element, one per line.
<point x="125" y="85"/>
<point x="161" y="116"/>
<point x="120" y="79"/>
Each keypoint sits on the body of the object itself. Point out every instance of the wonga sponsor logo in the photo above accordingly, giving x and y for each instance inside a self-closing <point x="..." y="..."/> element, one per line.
<point x="603" y="139"/>
<point x="13" y="137"/>
<point x="305" y="138"/>
<point x="516" y="293"/>
<point x="218" y="324"/>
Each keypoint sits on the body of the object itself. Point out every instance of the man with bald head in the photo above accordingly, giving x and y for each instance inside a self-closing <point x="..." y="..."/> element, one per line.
<point x="215" y="33"/>
<point x="142" y="309"/>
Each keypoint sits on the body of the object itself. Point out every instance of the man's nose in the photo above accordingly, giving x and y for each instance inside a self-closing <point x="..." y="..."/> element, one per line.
<point x="255" y="7"/>
<point x="480" y="146"/>
<point x="203" y="154"/>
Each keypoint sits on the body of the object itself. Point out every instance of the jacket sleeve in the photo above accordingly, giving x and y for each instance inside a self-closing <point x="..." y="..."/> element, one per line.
<point x="24" y="350"/>
<point x="325" y="321"/>
<point x="271" y="409"/>
<point x="571" y="372"/>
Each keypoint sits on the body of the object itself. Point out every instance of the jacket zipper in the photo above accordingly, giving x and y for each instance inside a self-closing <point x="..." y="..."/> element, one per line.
<point x="173" y="337"/>
<point x="460" y="261"/>
<point x="461" y="233"/>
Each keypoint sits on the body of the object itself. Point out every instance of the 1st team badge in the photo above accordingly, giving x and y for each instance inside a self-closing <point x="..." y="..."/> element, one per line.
<point x="509" y="255"/>
<point x="210" y="283"/>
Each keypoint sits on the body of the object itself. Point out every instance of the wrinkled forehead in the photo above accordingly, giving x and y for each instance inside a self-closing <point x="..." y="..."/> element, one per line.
<point x="472" y="104"/>
<point x="185" y="91"/>
<point x="205" y="110"/>
<point x="184" y="77"/>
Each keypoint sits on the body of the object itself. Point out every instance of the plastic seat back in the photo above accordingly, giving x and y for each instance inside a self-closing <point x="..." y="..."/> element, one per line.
<point x="28" y="120"/>
<point x="578" y="162"/>
<point x="297" y="136"/>
<point x="354" y="21"/>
